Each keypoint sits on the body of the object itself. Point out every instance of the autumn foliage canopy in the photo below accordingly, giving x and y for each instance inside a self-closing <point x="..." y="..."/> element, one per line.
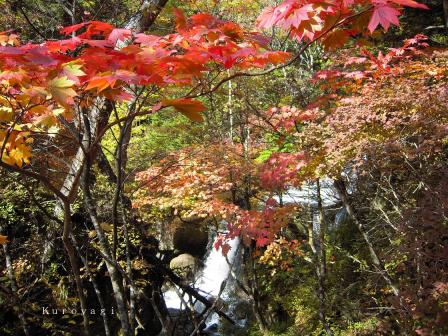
<point x="369" y="117"/>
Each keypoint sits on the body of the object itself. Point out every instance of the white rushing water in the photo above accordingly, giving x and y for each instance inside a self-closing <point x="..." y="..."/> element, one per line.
<point x="307" y="194"/>
<point x="215" y="271"/>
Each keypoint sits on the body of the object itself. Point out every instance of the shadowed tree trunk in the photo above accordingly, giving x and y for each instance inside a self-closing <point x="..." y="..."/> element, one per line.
<point x="66" y="238"/>
<point x="94" y="121"/>
<point x="342" y="191"/>
<point x="95" y="287"/>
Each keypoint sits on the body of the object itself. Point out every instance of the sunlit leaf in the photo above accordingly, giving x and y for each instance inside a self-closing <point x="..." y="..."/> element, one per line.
<point x="189" y="107"/>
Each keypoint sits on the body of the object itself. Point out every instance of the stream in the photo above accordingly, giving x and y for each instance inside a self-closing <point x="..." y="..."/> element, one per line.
<point x="208" y="282"/>
<point x="217" y="269"/>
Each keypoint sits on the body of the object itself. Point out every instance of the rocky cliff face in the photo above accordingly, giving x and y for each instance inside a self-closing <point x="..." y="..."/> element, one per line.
<point x="185" y="236"/>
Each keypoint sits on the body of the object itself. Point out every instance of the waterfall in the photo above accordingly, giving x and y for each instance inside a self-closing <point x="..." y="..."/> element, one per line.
<point x="306" y="194"/>
<point x="208" y="282"/>
<point x="217" y="269"/>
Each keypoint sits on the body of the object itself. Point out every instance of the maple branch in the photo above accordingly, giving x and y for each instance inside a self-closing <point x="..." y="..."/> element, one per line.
<point x="45" y="181"/>
<point x="294" y="59"/>
<point x="31" y="24"/>
<point x="266" y="120"/>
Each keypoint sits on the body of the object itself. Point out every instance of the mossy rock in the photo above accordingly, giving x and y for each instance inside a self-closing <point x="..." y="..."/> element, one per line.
<point x="184" y="265"/>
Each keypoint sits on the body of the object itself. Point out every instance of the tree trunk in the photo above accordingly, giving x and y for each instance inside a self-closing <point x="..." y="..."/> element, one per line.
<point x="95" y="287"/>
<point x="114" y="274"/>
<point x="255" y="293"/>
<point x="342" y="191"/>
<point x="132" y="294"/>
<point x="148" y="13"/>
<point x="66" y="238"/>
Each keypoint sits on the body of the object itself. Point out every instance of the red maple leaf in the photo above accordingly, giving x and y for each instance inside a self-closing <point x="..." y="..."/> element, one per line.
<point x="385" y="15"/>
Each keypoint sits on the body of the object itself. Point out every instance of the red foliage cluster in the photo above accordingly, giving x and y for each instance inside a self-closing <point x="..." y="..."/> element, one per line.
<point x="369" y="66"/>
<point x="41" y="82"/>
<point x="199" y="181"/>
<point x="311" y="19"/>
<point x="188" y="180"/>
<point x="281" y="170"/>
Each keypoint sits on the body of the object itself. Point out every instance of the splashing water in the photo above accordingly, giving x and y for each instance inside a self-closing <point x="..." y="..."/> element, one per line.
<point x="216" y="270"/>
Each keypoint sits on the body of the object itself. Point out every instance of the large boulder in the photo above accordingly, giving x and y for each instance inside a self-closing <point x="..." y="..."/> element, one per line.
<point x="184" y="265"/>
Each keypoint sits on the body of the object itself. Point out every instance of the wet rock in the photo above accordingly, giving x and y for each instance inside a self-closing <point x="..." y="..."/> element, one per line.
<point x="184" y="265"/>
<point x="211" y="329"/>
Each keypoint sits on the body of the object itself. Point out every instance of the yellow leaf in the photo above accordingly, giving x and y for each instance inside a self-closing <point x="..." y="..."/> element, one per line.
<point x="73" y="69"/>
<point x="61" y="90"/>
<point x="20" y="154"/>
<point x="37" y="92"/>
<point x="6" y="113"/>
<point x="107" y="227"/>
<point x="38" y="109"/>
